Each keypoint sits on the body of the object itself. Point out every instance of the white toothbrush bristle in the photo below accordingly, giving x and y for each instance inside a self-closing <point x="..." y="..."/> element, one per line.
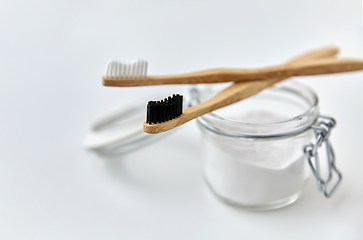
<point x="133" y="67"/>
<point x="108" y="66"/>
<point x="126" y="70"/>
<point x="114" y="69"/>
<point x="119" y="70"/>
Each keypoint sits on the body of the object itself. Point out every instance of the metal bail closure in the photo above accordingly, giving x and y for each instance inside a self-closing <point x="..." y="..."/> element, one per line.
<point x="322" y="132"/>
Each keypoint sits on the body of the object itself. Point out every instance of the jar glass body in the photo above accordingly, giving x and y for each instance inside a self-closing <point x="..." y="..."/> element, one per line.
<point x="253" y="149"/>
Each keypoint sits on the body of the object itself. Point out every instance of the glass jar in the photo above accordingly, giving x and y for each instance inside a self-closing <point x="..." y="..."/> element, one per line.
<point x="255" y="150"/>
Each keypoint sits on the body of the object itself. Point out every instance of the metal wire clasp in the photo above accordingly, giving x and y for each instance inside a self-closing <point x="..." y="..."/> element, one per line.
<point x="322" y="132"/>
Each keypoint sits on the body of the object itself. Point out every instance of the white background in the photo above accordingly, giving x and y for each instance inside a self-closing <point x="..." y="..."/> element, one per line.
<point x="52" y="57"/>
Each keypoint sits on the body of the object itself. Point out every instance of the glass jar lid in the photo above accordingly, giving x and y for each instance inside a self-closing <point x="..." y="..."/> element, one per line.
<point x="122" y="131"/>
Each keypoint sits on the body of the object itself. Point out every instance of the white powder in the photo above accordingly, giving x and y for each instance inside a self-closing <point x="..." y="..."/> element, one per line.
<point x="255" y="171"/>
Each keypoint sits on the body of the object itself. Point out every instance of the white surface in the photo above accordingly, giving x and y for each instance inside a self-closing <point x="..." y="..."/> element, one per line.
<point x="52" y="57"/>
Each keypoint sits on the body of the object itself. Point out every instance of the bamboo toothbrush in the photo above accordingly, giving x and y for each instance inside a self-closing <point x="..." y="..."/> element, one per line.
<point x="168" y="114"/>
<point x="133" y="73"/>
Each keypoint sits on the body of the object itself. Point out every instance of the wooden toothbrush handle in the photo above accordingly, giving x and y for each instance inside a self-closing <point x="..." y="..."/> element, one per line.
<point x="232" y="94"/>
<point x="228" y="96"/>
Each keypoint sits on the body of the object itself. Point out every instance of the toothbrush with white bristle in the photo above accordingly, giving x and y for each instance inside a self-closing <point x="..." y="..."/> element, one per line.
<point x="133" y="73"/>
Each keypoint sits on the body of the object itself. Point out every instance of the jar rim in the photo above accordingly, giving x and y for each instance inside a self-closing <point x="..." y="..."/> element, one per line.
<point x="282" y="128"/>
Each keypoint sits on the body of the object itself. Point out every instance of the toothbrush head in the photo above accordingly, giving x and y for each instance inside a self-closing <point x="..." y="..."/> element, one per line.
<point x="164" y="110"/>
<point x="126" y="70"/>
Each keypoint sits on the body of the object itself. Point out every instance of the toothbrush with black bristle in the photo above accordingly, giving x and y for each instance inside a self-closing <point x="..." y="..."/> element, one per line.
<point x="165" y="115"/>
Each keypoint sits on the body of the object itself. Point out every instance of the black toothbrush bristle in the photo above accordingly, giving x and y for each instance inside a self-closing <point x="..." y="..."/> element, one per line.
<point x="164" y="110"/>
